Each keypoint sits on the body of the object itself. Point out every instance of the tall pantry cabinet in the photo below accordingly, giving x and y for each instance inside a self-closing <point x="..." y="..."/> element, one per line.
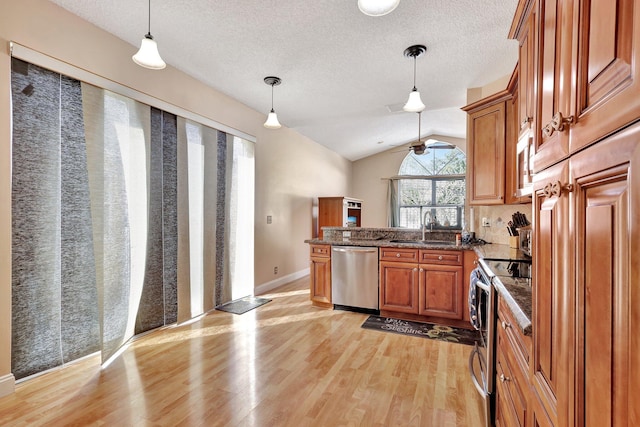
<point x="586" y="203"/>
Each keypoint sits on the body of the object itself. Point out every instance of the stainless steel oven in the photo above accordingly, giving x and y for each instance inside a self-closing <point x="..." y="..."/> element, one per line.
<point x="483" y="314"/>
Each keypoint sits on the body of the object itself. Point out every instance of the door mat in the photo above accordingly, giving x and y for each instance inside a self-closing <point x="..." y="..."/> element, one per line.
<point x="424" y="330"/>
<point x="242" y="305"/>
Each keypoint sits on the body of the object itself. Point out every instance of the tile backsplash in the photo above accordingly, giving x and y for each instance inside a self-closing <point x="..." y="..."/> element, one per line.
<point x="498" y="216"/>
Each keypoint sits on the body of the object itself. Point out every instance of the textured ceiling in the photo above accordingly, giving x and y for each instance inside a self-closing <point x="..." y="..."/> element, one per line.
<point x="342" y="71"/>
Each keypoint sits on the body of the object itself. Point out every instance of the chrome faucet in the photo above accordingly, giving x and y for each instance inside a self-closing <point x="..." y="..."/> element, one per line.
<point x="424" y="223"/>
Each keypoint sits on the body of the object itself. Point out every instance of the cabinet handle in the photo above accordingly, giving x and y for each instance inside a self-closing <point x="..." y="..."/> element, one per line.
<point x="421" y="270"/>
<point x="503" y="378"/>
<point x="555" y="189"/>
<point x="557" y="123"/>
<point x="398" y="255"/>
<point x="415" y="269"/>
<point x="440" y="257"/>
<point x="505" y="325"/>
<point x="525" y="122"/>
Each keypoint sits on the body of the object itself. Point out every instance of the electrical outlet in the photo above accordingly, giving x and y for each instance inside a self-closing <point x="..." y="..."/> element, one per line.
<point x="346" y="234"/>
<point x="269" y="219"/>
<point x="486" y="222"/>
<point x="275" y="270"/>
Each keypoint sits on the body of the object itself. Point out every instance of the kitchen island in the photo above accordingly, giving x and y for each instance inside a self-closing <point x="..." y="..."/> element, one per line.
<point x="423" y="280"/>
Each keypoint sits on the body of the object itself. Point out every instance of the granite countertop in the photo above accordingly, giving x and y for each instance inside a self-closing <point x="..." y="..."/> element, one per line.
<point x="389" y="243"/>
<point x="517" y="294"/>
<point x="515" y="291"/>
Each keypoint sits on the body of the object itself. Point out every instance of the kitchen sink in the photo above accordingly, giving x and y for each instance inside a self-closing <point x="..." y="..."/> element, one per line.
<point x="424" y="242"/>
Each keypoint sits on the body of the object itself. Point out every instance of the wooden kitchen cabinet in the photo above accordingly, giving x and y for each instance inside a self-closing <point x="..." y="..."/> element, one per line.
<point x="440" y="284"/>
<point x="422" y="282"/>
<point x="440" y="291"/>
<point x="606" y="202"/>
<point x="486" y="128"/>
<point x="512" y="371"/>
<point x="586" y="74"/>
<point x="399" y="287"/>
<point x="320" y="276"/>
<point x="493" y="176"/>
<point x="470" y="262"/>
<point x="338" y="212"/>
<point x="587" y="288"/>
<point x="586" y="208"/>
<point x="606" y="48"/>
<point x="552" y="295"/>
<point x="553" y="80"/>
<point x="524" y="29"/>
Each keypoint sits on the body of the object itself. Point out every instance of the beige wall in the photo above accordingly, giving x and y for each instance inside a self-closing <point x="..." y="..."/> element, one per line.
<point x="369" y="185"/>
<point x="290" y="169"/>
<point x="477" y="93"/>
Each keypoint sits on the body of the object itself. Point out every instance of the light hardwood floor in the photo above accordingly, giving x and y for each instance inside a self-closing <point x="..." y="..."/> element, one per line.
<point x="283" y="364"/>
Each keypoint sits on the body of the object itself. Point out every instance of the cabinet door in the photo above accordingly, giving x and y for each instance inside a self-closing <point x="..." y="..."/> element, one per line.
<point x="552" y="290"/>
<point x="321" y="280"/>
<point x="470" y="263"/>
<point x="486" y="155"/>
<point x="526" y="73"/>
<point x="553" y="83"/>
<point x="440" y="291"/>
<point x="607" y="48"/>
<point x="399" y="287"/>
<point x="607" y="198"/>
<point x="517" y="181"/>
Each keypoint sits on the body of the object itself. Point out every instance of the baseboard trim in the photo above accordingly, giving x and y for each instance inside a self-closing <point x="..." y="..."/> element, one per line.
<point x="7" y="385"/>
<point x="266" y="287"/>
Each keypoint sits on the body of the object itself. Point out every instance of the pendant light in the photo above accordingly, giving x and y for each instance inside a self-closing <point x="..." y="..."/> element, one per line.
<point x="148" y="56"/>
<point x="272" y="118"/>
<point x="414" y="104"/>
<point x="377" y="7"/>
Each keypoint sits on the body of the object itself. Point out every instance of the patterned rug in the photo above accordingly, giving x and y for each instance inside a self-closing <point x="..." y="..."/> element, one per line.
<point x="242" y="305"/>
<point x="424" y="330"/>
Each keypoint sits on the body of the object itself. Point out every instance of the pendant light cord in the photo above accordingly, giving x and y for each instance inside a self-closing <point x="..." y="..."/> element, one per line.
<point x="414" y="71"/>
<point x="149" y="32"/>
<point x="272" y="97"/>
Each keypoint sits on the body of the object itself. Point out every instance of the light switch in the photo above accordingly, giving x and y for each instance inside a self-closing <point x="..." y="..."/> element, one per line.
<point x="269" y="219"/>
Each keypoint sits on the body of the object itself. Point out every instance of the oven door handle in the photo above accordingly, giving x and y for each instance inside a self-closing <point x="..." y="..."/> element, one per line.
<point x="481" y="388"/>
<point x="485" y="287"/>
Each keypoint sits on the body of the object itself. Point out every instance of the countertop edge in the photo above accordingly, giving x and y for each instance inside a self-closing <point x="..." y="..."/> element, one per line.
<point x="390" y="244"/>
<point x="523" y="319"/>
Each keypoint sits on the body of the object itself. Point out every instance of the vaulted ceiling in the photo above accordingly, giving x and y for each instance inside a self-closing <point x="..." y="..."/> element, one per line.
<point x="344" y="75"/>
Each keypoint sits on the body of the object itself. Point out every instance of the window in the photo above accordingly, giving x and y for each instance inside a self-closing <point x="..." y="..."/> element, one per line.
<point x="432" y="183"/>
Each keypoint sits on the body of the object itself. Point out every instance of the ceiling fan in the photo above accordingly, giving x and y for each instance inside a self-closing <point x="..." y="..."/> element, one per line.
<point x="420" y="146"/>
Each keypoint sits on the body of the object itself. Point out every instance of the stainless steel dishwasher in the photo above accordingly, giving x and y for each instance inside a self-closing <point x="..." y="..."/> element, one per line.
<point x="354" y="278"/>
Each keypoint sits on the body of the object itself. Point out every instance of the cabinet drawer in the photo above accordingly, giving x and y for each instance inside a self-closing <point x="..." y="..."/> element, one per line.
<point x="399" y="254"/>
<point x="321" y="251"/>
<point x="520" y="343"/>
<point x="512" y="383"/>
<point x="428" y="256"/>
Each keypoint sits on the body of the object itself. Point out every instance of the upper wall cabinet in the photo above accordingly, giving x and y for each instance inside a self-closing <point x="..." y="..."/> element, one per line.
<point x="606" y="49"/>
<point x="583" y="56"/>
<point x="494" y="173"/>
<point x="486" y="129"/>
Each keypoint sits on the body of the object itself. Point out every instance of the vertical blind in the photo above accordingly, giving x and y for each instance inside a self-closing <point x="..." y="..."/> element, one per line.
<point x="119" y="218"/>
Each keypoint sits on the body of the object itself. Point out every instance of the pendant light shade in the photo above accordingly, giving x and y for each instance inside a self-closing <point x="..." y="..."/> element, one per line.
<point x="272" y="119"/>
<point x="377" y="7"/>
<point x="148" y="55"/>
<point x="414" y="103"/>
